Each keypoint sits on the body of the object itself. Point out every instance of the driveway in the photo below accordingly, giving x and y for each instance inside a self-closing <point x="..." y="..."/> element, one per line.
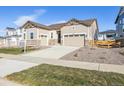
<point x="55" y="52"/>
<point x="8" y="66"/>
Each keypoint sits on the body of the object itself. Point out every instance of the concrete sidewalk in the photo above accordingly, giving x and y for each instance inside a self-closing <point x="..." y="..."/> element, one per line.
<point x="8" y="66"/>
<point x="74" y="64"/>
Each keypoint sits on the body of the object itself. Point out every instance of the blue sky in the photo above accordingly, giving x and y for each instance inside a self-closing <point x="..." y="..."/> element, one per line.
<point x="16" y="16"/>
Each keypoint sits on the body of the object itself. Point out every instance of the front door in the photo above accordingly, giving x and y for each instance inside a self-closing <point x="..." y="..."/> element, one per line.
<point x="59" y="37"/>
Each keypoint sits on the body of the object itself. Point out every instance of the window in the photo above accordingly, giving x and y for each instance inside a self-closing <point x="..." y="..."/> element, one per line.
<point x="109" y="36"/>
<point x="123" y="20"/>
<point x="24" y="35"/>
<point x="123" y="28"/>
<point x="81" y="34"/>
<point x="120" y="21"/>
<point x="100" y="35"/>
<point x="76" y="35"/>
<point x="31" y="36"/>
<point x="51" y="35"/>
<point x="70" y="35"/>
<point x="65" y="35"/>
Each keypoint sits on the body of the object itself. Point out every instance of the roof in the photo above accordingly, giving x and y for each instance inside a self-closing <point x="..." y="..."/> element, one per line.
<point x="59" y="25"/>
<point x="121" y="11"/>
<point x="10" y="28"/>
<point x="108" y="31"/>
<point x="56" y="26"/>
<point x="36" y="24"/>
<point x="83" y="22"/>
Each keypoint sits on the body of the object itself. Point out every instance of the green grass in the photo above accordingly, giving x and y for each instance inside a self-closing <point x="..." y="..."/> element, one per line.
<point x="11" y="50"/>
<point x="49" y="75"/>
<point x="14" y="50"/>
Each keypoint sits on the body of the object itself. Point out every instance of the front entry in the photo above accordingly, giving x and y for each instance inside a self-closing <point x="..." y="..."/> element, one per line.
<point x="59" y="37"/>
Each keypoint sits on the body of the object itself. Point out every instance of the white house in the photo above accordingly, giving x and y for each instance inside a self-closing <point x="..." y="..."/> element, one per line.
<point x="12" y="37"/>
<point x="107" y="35"/>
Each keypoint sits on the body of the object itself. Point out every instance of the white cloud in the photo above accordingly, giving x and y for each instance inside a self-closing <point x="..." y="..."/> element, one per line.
<point x="22" y="19"/>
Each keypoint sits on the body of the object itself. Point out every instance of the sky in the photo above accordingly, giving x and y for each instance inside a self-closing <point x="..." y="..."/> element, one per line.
<point x="15" y="16"/>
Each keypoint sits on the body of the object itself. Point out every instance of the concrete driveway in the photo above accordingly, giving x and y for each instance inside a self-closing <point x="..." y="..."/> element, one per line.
<point x="8" y="66"/>
<point x="55" y="52"/>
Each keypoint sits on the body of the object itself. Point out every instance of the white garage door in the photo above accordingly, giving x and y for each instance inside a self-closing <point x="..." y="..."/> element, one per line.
<point x="74" y="40"/>
<point x="43" y="40"/>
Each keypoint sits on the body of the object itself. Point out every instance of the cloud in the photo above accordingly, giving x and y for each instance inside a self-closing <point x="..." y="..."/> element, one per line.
<point x="22" y="19"/>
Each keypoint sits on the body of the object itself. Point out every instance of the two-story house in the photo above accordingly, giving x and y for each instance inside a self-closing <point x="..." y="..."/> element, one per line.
<point x="12" y="37"/>
<point x="120" y="23"/>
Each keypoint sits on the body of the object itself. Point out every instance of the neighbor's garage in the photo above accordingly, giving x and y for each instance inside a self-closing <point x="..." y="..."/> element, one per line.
<point x="74" y="40"/>
<point x="43" y="39"/>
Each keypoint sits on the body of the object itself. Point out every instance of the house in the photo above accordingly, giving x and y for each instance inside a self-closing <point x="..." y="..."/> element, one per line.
<point x="2" y="41"/>
<point x="71" y="33"/>
<point x="120" y="26"/>
<point x="120" y="23"/>
<point x="12" y="37"/>
<point x="107" y="35"/>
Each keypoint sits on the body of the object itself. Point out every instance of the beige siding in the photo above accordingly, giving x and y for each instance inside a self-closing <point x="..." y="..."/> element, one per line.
<point x="74" y="29"/>
<point x="93" y="30"/>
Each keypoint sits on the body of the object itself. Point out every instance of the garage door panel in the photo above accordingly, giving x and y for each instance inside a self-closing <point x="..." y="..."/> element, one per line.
<point x="76" y="40"/>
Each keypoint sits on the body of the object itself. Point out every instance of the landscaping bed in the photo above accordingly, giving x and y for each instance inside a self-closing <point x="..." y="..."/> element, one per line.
<point x="51" y="75"/>
<point x="97" y="55"/>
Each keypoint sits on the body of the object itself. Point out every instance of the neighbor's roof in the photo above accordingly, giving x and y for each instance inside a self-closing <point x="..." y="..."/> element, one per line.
<point x="120" y="13"/>
<point x="59" y="25"/>
<point x="10" y="28"/>
<point x="108" y="31"/>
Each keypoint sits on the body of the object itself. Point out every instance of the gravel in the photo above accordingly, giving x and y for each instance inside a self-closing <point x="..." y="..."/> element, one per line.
<point x="98" y="55"/>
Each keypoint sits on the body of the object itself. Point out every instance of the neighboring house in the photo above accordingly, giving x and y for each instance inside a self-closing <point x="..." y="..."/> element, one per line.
<point x="72" y="33"/>
<point x="120" y="23"/>
<point x="12" y="37"/>
<point x="107" y="35"/>
<point x="2" y="41"/>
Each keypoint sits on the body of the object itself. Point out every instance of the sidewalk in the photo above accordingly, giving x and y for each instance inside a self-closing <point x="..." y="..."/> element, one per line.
<point x="74" y="64"/>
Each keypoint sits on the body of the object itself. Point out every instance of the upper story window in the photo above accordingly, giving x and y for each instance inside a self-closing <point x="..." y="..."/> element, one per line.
<point x="51" y="35"/>
<point x="31" y="35"/>
<point x="123" y="20"/>
<point x="120" y="21"/>
<point x="123" y="28"/>
<point x="24" y="35"/>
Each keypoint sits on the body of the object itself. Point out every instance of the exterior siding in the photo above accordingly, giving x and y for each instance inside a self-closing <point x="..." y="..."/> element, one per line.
<point x="119" y="26"/>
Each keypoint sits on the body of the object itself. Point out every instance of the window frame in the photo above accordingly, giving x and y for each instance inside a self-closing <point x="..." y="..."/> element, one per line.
<point x="31" y="35"/>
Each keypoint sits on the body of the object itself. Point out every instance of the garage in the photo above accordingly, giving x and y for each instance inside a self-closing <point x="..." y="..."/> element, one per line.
<point x="44" y="40"/>
<point x="74" y="40"/>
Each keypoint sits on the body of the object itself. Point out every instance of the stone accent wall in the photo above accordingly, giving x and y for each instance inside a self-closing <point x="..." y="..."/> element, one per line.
<point x="52" y="41"/>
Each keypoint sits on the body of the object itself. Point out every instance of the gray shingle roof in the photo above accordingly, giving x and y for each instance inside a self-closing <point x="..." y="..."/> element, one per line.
<point x="108" y="31"/>
<point x="36" y="24"/>
<point x="83" y="22"/>
<point x="10" y="28"/>
<point x="59" y="25"/>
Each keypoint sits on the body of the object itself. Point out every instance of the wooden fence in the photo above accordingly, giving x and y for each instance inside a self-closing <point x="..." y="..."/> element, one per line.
<point x="105" y="44"/>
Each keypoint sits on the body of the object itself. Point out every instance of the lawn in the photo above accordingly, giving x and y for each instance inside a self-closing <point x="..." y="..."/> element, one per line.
<point x="51" y="75"/>
<point x="14" y="50"/>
